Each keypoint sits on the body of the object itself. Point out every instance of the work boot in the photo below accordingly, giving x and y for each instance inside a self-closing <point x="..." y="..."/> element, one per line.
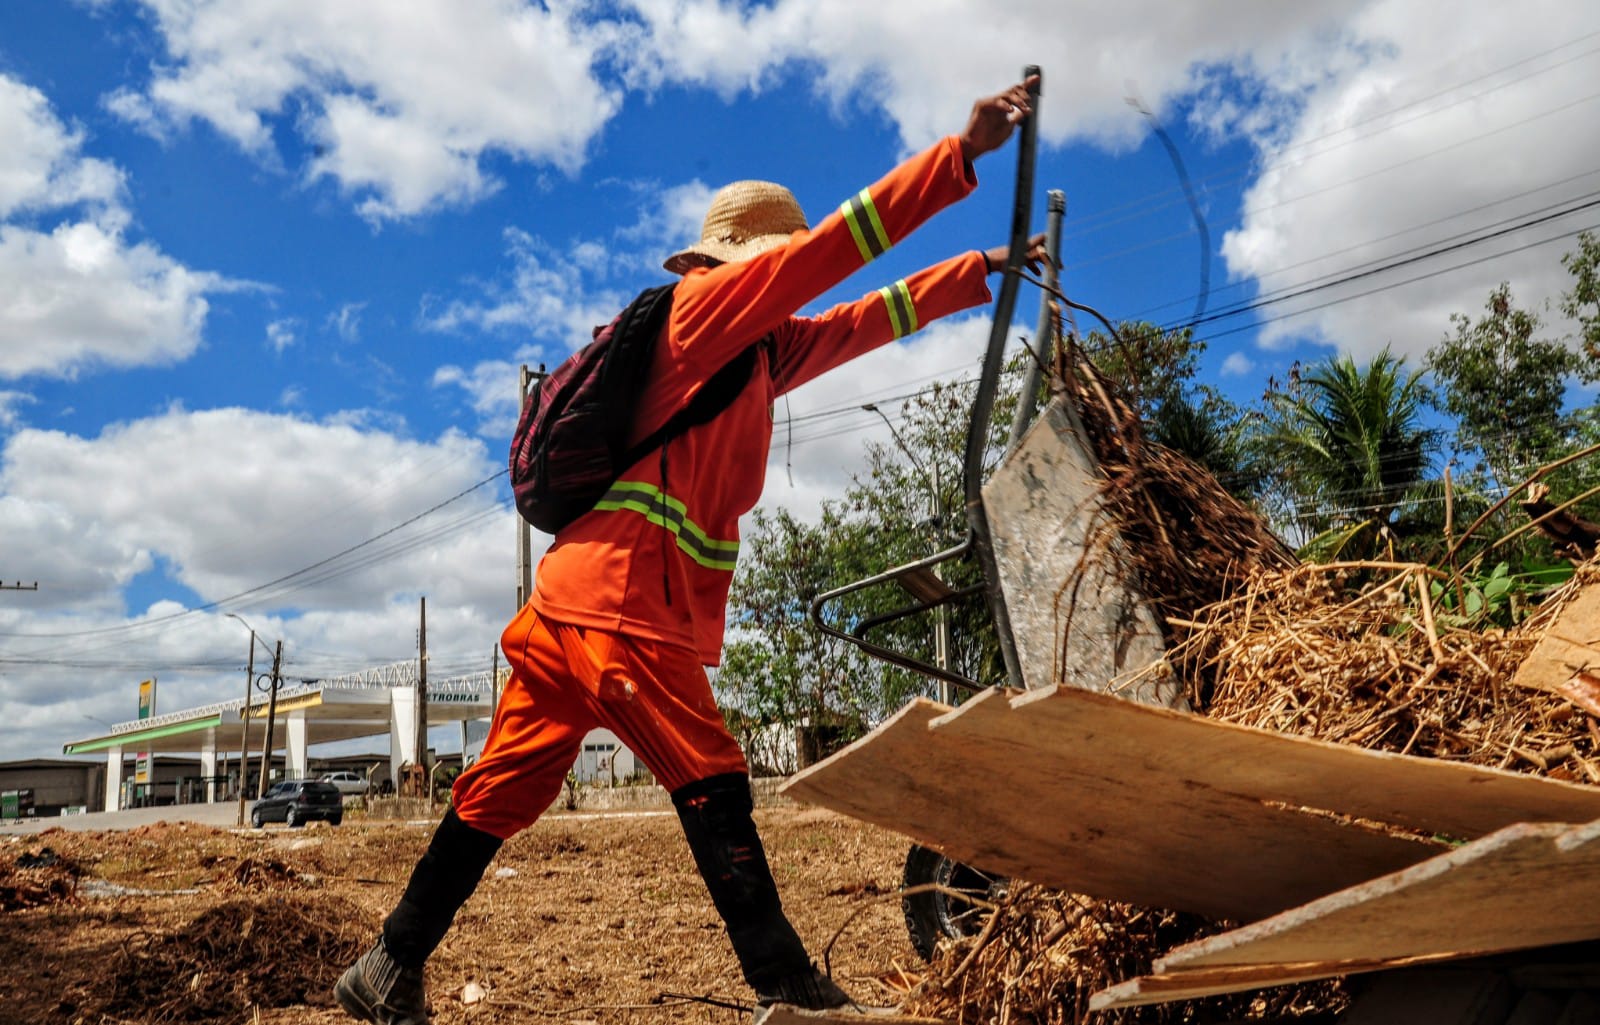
<point x="377" y="990"/>
<point x="809" y="990"/>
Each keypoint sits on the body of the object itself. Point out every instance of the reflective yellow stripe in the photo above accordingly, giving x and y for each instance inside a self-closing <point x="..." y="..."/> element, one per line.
<point x="902" y="311"/>
<point x="865" y="227"/>
<point x="671" y="515"/>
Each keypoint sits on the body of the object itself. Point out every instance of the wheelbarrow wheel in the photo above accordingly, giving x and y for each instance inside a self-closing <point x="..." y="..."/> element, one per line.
<point x="935" y="915"/>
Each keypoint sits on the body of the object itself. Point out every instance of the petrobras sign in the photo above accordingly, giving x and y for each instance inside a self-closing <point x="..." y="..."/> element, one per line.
<point x="455" y="697"/>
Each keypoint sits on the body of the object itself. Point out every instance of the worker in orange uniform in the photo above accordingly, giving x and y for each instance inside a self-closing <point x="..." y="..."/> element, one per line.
<point x="630" y="600"/>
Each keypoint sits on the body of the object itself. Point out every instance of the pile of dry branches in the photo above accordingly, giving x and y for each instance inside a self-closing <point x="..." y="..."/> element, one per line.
<point x="1179" y="533"/>
<point x="1043" y="953"/>
<point x="1354" y="653"/>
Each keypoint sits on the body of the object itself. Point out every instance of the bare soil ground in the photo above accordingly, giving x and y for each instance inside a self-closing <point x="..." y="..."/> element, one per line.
<point x="579" y="920"/>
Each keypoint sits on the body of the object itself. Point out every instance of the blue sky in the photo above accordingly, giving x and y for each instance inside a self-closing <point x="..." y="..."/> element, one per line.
<point x="267" y="267"/>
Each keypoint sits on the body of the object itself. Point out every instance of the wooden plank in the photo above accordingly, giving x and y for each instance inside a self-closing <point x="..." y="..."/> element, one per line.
<point x="1158" y="749"/>
<point x="1572" y="643"/>
<point x="1056" y="813"/>
<point x="1048" y="527"/>
<point x="1524" y="887"/>
<point x="783" y="1014"/>
<point x="1528" y="885"/>
<point x="1162" y="987"/>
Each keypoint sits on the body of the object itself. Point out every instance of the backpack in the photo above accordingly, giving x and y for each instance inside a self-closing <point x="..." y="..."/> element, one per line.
<point x="571" y="441"/>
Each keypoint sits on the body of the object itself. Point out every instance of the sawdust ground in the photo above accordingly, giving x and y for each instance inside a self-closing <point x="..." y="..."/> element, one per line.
<point x="603" y="920"/>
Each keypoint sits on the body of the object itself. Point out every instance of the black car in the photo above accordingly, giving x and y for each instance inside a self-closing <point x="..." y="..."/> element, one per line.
<point x="294" y="802"/>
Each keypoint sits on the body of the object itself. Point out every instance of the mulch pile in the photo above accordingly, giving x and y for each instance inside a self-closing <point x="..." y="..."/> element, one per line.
<point x="37" y="877"/>
<point x="236" y="957"/>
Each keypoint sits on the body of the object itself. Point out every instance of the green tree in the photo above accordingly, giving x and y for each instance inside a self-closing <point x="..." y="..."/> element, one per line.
<point x="1582" y="302"/>
<point x="1346" y="446"/>
<point x="1505" y="388"/>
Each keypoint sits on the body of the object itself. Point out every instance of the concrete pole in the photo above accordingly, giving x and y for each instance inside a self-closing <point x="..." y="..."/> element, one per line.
<point x="422" y="696"/>
<point x="244" y="724"/>
<point x="114" y="778"/>
<point x="272" y="716"/>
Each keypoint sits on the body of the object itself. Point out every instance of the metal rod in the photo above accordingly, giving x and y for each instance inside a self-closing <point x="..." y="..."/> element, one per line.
<point x="1044" y="335"/>
<point x="983" y="403"/>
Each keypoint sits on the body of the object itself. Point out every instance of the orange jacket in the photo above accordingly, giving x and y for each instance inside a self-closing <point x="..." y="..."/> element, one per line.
<point x="655" y="557"/>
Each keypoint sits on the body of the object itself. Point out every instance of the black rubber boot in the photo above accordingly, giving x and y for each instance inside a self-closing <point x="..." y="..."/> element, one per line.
<point x="444" y="878"/>
<point x="715" y="813"/>
<point x="385" y="986"/>
<point x="377" y="990"/>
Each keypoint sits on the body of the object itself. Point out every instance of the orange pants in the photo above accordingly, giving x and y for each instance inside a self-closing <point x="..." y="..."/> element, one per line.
<point x="567" y="680"/>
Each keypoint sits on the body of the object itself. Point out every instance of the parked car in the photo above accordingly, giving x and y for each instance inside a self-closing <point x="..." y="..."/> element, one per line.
<point x="294" y="802"/>
<point x="347" y="782"/>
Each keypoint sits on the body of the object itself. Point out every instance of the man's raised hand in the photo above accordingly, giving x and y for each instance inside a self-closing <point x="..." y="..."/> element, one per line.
<point x="993" y="117"/>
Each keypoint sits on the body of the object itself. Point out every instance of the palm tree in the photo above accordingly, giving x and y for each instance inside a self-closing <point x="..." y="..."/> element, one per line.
<point x="1346" y="444"/>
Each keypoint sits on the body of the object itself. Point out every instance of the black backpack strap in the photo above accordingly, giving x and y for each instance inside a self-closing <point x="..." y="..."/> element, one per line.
<point x="636" y="330"/>
<point x="713" y="397"/>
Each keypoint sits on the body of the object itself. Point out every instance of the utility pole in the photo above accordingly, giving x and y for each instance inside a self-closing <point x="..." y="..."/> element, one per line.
<point x="244" y="723"/>
<point x="19" y="586"/>
<point x="422" y="699"/>
<point x="272" y="715"/>
<point x="494" y="680"/>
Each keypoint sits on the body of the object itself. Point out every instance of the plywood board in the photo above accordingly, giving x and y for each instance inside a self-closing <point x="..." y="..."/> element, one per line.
<point x="1207" y="982"/>
<point x="1571" y="644"/>
<point x="1048" y="527"/>
<point x="1529" y="885"/>
<point x="1122" y="800"/>
<point x="1158" y="749"/>
<point x="1523" y="887"/>
<point x="1058" y="815"/>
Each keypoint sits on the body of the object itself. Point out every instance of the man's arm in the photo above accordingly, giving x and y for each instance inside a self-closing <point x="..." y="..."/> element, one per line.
<point x="717" y="312"/>
<point x="810" y="346"/>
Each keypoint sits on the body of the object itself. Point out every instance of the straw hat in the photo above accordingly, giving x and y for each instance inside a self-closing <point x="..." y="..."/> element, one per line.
<point x="746" y="218"/>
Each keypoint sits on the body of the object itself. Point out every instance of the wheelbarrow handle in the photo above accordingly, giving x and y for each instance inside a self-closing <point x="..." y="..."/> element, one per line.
<point x="988" y="382"/>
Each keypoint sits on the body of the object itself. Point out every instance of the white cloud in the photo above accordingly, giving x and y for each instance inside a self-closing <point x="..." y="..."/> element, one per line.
<point x="404" y="100"/>
<point x="546" y="293"/>
<point x="80" y="295"/>
<point x="1448" y="127"/>
<point x="820" y="432"/>
<point x="346" y="321"/>
<point x="922" y="70"/>
<point x="178" y="485"/>
<point x="40" y="165"/>
<point x="281" y="334"/>
<point x="11" y="403"/>
<point x="1237" y="364"/>
<point x="223" y="501"/>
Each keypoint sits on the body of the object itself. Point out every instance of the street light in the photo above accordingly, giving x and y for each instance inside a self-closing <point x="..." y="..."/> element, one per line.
<point x="941" y="637"/>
